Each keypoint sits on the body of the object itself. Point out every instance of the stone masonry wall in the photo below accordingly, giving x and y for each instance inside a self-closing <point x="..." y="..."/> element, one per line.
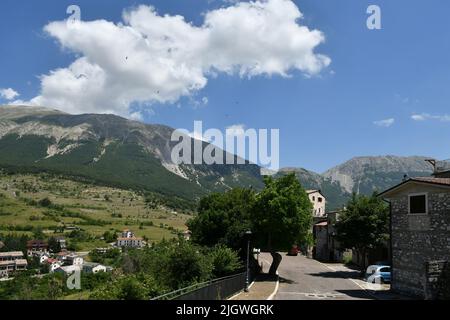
<point x="417" y="240"/>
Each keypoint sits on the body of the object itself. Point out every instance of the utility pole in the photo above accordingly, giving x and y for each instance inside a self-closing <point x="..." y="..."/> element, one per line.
<point x="248" y="234"/>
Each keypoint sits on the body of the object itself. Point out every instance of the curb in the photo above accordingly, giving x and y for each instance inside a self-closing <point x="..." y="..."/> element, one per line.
<point x="276" y="288"/>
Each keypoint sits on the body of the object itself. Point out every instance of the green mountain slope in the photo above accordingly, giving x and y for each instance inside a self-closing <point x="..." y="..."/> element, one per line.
<point x="110" y="150"/>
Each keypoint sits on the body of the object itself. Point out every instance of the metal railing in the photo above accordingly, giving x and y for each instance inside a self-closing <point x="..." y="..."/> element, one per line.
<point x="217" y="289"/>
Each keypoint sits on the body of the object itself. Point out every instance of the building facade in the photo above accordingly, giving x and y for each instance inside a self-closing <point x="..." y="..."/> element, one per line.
<point x="420" y="234"/>
<point x="318" y="201"/>
<point x="11" y="262"/>
<point x="128" y="239"/>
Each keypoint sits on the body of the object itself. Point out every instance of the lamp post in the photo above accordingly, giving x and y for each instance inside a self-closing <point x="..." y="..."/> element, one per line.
<point x="248" y="234"/>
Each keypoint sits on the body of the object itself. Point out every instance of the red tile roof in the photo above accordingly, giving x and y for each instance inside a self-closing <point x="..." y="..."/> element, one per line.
<point x="441" y="181"/>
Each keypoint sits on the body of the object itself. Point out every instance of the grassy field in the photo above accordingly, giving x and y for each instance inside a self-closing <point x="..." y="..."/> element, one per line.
<point x="94" y="209"/>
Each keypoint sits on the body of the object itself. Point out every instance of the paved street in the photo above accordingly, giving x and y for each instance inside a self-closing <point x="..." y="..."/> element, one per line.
<point x="307" y="279"/>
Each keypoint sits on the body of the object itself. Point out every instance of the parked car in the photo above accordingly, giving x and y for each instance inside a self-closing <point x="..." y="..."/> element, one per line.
<point x="378" y="274"/>
<point x="294" y="251"/>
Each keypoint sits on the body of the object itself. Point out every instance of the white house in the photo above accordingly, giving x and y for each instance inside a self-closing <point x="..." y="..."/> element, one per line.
<point x="43" y="258"/>
<point x="127" y="234"/>
<point x="128" y="239"/>
<point x="130" y="242"/>
<point x="73" y="259"/>
<point x="90" y="267"/>
<point x="318" y="201"/>
<point x="12" y="261"/>
<point x="53" y="264"/>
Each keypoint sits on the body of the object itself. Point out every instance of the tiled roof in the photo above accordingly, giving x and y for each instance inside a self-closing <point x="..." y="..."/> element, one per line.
<point x="429" y="180"/>
<point x="11" y="254"/>
<point x="21" y="262"/>
<point x="441" y="181"/>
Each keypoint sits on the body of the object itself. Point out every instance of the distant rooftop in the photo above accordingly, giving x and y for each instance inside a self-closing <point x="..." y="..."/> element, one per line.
<point x="441" y="181"/>
<point x="11" y="254"/>
<point x="442" y="166"/>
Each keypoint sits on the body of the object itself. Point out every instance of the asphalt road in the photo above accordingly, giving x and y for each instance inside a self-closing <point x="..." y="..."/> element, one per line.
<point x="307" y="279"/>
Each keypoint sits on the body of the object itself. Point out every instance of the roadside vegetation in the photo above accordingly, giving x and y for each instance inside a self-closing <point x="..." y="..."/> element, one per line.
<point x="278" y="216"/>
<point x="139" y="274"/>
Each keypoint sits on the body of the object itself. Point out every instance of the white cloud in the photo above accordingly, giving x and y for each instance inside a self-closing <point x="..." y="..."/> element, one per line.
<point x="9" y="94"/>
<point x="151" y="58"/>
<point x="427" y="116"/>
<point x="385" y="123"/>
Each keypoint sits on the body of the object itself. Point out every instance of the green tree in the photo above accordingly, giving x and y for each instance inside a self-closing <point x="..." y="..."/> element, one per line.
<point x="282" y="216"/>
<point x="364" y="225"/>
<point x="151" y="201"/>
<point x="54" y="245"/>
<point x="223" y="218"/>
<point x="46" y="202"/>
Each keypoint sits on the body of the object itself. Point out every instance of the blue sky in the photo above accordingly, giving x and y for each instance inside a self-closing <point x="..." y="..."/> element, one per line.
<point x="324" y="119"/>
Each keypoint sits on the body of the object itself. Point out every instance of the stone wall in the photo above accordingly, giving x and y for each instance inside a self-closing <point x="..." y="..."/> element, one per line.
<point x="438" y="280"/>
<point x="417" y="240"/>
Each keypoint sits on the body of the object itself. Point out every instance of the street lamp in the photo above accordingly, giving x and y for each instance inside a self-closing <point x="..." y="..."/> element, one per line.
<point x="248" y="234"/>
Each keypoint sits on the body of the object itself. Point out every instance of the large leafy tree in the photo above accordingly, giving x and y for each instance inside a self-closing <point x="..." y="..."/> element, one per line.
<point x="364" y="225"/>
<point x="281" y="216"/>
<point x="223" y="218"/>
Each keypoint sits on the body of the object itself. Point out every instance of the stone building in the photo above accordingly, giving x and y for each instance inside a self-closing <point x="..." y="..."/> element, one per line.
<point x="327" y="248"/>
<point x="420" y="234"/>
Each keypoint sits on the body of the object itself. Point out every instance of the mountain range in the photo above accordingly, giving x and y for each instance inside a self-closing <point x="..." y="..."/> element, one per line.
<point x="112" y="150"/>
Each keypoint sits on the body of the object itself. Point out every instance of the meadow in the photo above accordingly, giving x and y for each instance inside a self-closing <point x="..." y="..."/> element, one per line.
<point x="56" y="205"/>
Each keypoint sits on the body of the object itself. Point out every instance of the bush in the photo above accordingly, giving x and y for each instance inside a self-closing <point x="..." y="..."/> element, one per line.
<point x="225" y="261"/>
<point x="45" y="202"/>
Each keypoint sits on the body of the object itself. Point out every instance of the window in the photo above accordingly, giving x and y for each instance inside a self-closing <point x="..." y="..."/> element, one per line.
<point x="314" y="198"/>
<point x="319" y="199"/>
<point x="418" y="204"/>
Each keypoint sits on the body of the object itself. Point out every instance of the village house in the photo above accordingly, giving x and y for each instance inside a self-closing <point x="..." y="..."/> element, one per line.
<point x="43" y="257"/>
<point x="36" y="247"/>
<point x="11" y="262"/>
<point x="420" y="233"/>
<point x="318" y="201"/>
<point x="128" y="239"/>
<point x="73" y="259"/>
<point x="327" y="248"/>
<point x="52" y="264"/>
<point x="90" y="267"/>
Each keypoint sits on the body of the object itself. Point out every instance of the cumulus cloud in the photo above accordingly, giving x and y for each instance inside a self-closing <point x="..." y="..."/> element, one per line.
<point x="8" y="94"/>
<point x="427" y="116"/>
<point x="150" y="58"/>
<point x="385" y="123"/>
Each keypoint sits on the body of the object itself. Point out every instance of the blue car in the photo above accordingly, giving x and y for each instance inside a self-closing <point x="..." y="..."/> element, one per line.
<point x="378" y="274"/>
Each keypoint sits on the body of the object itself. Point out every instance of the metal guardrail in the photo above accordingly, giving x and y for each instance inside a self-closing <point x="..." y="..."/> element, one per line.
<point x="216" y="289"/>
